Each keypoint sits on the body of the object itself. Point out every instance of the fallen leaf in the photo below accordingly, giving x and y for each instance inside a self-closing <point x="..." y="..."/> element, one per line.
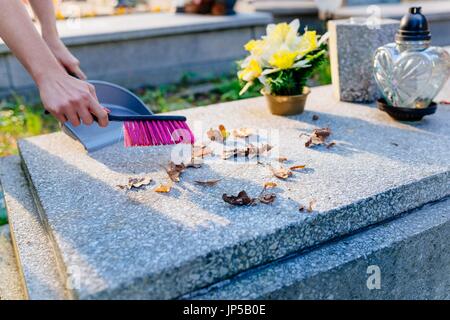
<point x="331" y="144"/>
<point x="242" y="199"/>
<point x="163" y="188"/>
<point x="267" y="198"/>
<point x="223" y="131"/>
<point x="208" y="183"/>
<point x="269" y="185"/>
<point x="174" y="171"/>
<point x="201" y="151"/>
<point x="310" y="206"/>
<point x="315" y="117"/>
<point x="242" y="132"/>
<point x="193" y="165"/>
<point x="281" y="172"/>
<point x="249" y="151"/>
<point x="136" y="183"/>
<point x="282" y="159"/>
<point x="297" y="167"/>
<point x="214" y="135"/>
<point x="318" y="137"/>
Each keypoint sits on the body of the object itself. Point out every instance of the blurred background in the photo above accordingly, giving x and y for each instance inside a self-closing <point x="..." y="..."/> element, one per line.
<point x="175" y="54"/>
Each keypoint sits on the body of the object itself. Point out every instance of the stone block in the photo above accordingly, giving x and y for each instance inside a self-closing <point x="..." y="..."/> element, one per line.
<point x="142" y="244"/>
<point x="352" y="45"/>
<point x="407" y="258"/>
<point x="37" y="263"/>
<point x="160" y="60"/>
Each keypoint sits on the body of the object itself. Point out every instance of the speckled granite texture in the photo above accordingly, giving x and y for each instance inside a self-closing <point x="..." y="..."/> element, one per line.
<point x="10" y="282"/>
<point x="411" y="253"/>
<point x="142" y="244"/>
<point x="32" y="245"/>
<point x="352" y="46"/>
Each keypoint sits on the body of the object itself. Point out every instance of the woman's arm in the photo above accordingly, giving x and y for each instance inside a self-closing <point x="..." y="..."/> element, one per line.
<point x="67" y="98"/>
<point x="45" y="13"/>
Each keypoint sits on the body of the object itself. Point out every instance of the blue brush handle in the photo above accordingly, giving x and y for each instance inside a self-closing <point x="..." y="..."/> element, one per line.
<point x="113" y="117"/>
<point x="150" y="117"/>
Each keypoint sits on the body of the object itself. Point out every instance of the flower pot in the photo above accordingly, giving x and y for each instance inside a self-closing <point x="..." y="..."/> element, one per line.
<point x="287" y="105"/>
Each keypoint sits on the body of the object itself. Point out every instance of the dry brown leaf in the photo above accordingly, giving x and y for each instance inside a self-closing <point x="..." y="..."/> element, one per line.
<point x="174" y="171"/>
<point x="318" y="137"/>
<point x="163" y="188"/>
<point x="242" y="132"/>
<point x="267" y="198"/>
<point x="310" y="206"/>
<point x="282" y="159"/>
<point x="281" y="172"/>
<point x="269" y="185"/>
<point x="201" y="151"/>
<point x="331" y="144"/>
<point x="136" y="183"/>
<point x="214" y="135"/>
<point x="249" y="151"/>
<point x="298" y="167"/>
<point x="209" y="183"/>
<point x="242" y="199"/>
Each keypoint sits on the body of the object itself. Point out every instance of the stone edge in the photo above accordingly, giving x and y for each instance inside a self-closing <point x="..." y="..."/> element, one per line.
<point x="244" y="20"/>
<point x="29" y="234"/>
<point x="336" y="260"/>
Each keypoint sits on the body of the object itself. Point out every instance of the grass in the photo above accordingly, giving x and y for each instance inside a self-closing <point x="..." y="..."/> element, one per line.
<point x="19" y="119"/>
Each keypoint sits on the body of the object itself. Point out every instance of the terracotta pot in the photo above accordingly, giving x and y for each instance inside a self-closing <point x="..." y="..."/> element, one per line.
<point x="287" y="105"/>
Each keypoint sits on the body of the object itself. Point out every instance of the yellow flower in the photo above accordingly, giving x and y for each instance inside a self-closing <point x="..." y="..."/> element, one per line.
<point x="283" y="59"/>
<point x="256" y="47"/>
<point x="281" y="31"/>
<point x="252" y="71"/>
<point x="307" y="43"/>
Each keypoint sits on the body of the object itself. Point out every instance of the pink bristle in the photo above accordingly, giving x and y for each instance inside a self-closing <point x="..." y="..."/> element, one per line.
<point x="144" y="133"/>
<point x="161" y="132"/>
<point x="126" y="135"/>
<point x="149" y="133"/>
<point x="157" y="133"/>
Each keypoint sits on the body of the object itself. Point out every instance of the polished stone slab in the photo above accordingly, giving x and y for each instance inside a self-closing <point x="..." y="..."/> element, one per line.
<point x="35" y="255"/>
<point x="142" y="244"/>
<point x="407" y="258"/>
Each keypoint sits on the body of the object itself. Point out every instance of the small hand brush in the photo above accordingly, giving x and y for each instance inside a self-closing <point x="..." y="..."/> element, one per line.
<point x="152" y="130"/>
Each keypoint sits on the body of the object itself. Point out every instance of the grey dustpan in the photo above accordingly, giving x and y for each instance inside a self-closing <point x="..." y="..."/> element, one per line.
<point x="117" y="99"/>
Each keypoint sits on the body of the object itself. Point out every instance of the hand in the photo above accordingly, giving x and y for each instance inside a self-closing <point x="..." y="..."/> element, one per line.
<point x="64" y="57"/>
<point x="70" y="99"/>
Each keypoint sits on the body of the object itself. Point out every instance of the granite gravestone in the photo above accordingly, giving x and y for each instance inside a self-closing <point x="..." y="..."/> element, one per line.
<point x="352" y="45"/>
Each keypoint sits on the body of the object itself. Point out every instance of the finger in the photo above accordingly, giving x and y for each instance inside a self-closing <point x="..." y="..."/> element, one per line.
<point x="99" y="112"/>
<point x="85" y="116"/>
<point x="72" y="117"/>
<point x="77" y="72"/>
<point x="60" y="117"/>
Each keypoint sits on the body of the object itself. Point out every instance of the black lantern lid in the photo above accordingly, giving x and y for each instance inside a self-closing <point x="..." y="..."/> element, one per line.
<point x="413" y="27"/>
